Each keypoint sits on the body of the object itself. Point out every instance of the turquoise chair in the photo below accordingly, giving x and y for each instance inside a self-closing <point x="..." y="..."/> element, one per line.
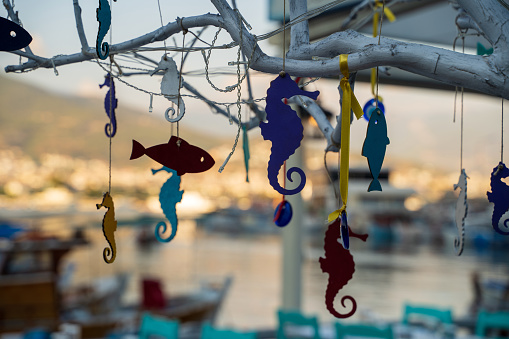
<point x="209" y="332"/>
<point x="443" y="316"/>
<point x="491" y="321"/>
<point x="158" y="327"/>
<point x="363" y="330"/>
<point x="296" y="319"/>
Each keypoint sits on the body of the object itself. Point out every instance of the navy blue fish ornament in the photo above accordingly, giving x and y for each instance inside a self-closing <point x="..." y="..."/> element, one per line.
<point x="499" y="195"/>
<point x="12" y="36"/>
<point x="104" y="18"/>
<point x="284" y="129"/>
<point x="110" y="104"/>
<point x="374" y="147"/>
<point x="169" y="196"/>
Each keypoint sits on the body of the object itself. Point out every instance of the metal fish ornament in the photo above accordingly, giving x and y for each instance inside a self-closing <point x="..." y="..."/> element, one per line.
<point x="284" y="129"/>
<point x="461" y="212"/>
<point x="339" y="264"/>
<point x="13" y="36"/>
<point x="375" y="145"/>
<point x="109" y="228"/>
<point x="169" y="196"/>
<point x="499" y="196"/>
<point x="177" y="154"/>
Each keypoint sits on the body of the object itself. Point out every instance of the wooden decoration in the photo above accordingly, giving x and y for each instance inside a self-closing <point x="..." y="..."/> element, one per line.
<point x="339" y="264"/>
<point x="177" y="154"/>
<point x="374" y="146"/>
<point x="109" y="228"/>
<point x="284" y="129"/>
<point x="110" y="104"/>
<point x="13" y="36"/>
<point x="169" y="196"/>
<point x="499" y="196"/>
<point x="461" y="212"/>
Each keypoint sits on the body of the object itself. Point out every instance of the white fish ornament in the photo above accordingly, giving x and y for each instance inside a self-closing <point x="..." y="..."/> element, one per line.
<point x="461" y="211"/>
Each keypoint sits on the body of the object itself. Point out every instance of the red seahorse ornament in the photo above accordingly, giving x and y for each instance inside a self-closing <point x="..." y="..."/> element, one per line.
<point x="339" y="264"/>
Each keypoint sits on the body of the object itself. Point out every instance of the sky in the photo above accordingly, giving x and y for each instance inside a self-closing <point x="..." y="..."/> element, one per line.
<point x="419" y="120"/>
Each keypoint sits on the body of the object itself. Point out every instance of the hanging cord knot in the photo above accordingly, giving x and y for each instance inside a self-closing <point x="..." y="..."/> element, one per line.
<point x="181" y="24"/>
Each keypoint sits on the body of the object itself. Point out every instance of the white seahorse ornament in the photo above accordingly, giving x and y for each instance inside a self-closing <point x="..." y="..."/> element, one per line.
<point x="170" y="86"/>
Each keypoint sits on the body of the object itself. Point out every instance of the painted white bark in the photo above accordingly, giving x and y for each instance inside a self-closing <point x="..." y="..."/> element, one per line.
<point x="486" y="74"/>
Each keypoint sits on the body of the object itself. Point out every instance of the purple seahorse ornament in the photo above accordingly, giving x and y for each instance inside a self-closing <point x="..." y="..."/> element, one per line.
<point x="499" y="195"/>
<point x="284" y="129"/>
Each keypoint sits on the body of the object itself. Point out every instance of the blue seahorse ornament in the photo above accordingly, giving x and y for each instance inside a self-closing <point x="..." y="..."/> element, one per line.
<point x="110" y="104"/>
<point x="499" y="195"/>
<point x="104" y="18"/>
<point x="169" y="196"/>
<point x="284" y="129"/>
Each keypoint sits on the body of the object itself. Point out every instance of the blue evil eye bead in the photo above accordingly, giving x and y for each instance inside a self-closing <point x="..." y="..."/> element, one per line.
<point x="283" y="214"/>
<point x="370" y="106"/>
<point x="345" y="236"/>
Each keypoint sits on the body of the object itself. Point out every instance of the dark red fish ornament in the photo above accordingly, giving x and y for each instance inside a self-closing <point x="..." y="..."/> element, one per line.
<point x="13" y="36"/>
<point x="177" y="154"/>
<point x="339" y="264"/>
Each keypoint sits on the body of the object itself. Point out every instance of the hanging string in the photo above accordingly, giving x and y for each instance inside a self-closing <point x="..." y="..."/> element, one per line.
<point x="162" y="24"/>
<point x="330" y="178"/>
<point x="110" y="127"/>
<point x="462" y="94"/>
<point x="502" y="134"/>
<point x="179" y="98"/>
<point x="379" y="38"/>
<point x="284" y="35"/>
<point x="239" y="94"/>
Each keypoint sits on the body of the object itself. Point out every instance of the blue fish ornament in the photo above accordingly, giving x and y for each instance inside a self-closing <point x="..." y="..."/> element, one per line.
<point x="461" y="212"/>
<point x="169" y="196"/>
<point x="374" y="147"/>
<point x="13" y="36"/>
<point x="284" y="129"/>
<point x="110" y="104"/>
<point x="499" y="195"/>
<point x="104" y="18"/>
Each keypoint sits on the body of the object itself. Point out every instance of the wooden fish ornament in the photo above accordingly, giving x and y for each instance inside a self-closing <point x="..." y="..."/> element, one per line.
<point x="374" y="146"/>
<point x="284" y="129"/>
<point x="339" y="264"/>
<point x="170" y="86"/>
<point x="177" y="154"/>
<point x="13" y="36"/>
<point x="499" y="196"/>
<point x="109" y="228"/>
<point x="103" y="15"/>
<point x="110" y="104"/>
<point x="461" y="212"/>
<point x="169" y="196"/>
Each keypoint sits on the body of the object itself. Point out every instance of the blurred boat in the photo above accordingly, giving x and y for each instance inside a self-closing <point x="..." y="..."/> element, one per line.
<point x="34" y="292"/>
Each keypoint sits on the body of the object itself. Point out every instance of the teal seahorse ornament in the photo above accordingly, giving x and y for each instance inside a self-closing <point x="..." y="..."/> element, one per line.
<point x="169" y="196"/>
<point x="104" y="18"/>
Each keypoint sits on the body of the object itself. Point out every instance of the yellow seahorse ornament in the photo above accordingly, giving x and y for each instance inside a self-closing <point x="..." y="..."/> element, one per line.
<point x="109" y="228"/>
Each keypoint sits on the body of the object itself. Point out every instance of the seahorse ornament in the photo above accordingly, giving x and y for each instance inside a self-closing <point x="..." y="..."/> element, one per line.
<point x="110" y="104"/>
<point x="461" y="212"/>
<point x="169" y="196"/>
<point x="284" y="129"/>
<point x="499" y="196"/>
<point x="103" y="15"/>
<point x="339" y="264"/>
<point x="109" y="228"/>
<point x="170" y="86"/>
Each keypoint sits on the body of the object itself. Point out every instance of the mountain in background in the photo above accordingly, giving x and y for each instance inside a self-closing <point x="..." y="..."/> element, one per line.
<point x="38" y="122"/>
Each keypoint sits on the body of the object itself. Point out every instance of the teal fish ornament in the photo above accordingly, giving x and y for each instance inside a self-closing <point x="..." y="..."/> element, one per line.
<point x="499" y="196"/>
<point x="169" y="196"/>
<point x="245" y="147"/>
<point x="374" y="147"/>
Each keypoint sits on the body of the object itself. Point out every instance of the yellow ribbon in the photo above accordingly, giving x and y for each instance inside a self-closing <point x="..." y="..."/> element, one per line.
<point x="349" y="103"/>
<point x="391" y="17"/>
